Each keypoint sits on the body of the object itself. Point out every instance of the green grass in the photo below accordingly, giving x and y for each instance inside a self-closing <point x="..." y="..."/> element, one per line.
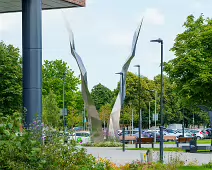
<point x="193" y="168"/>
<point x="157" y="149"/>
<point x="167" y="149"/>
<point x="205" y="141"/>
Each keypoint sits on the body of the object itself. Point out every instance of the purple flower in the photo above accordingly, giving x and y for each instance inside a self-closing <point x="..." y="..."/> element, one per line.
<point x="34" y="122"/>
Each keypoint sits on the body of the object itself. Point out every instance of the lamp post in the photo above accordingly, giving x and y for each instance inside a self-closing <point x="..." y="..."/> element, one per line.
<point x="149" y="114"/>
<point x="139" y="104"/>
<point x="122" y="108"/>
<point x="161" y="100"/>
<point x="183" y="123"/>
<point x="64" y="123"/>
<point x="155" y="113"/>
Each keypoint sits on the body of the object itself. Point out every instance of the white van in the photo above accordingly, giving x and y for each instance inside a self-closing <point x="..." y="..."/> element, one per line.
<point x="81" y="137"/>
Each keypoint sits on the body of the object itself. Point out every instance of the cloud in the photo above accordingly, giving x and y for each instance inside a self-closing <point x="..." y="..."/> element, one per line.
<point x="154" y="16"/>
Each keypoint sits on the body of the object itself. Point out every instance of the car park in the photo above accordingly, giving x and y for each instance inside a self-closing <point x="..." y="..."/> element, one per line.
<point x="128" y="132"/>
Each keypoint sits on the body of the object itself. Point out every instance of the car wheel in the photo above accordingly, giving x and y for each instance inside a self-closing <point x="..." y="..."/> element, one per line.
<point x="198" y="137"/>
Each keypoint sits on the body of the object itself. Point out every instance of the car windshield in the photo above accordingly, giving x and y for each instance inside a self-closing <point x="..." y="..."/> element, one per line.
<point x="82" y="134"/>
<point x="170" y="131"/>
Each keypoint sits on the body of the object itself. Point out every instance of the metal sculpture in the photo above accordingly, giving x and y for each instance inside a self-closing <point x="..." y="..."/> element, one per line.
<point x="93" y="116"/>
<point x="115" y="114"/>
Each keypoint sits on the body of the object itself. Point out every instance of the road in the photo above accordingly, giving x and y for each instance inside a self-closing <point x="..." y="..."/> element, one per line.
<point x="117" y="156"/>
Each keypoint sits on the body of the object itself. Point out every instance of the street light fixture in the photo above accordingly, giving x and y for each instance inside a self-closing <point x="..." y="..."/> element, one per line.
<point x="122" y="108"/>
<point x="139" y="104"/>
<point x="161" y="99"/>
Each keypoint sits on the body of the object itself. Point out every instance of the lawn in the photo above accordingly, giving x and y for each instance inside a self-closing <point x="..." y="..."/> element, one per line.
<point x="166" y="149"/>
<point x="193" y="168"/>
<point x="157" y="149"/>
<point x="205" y="141"/>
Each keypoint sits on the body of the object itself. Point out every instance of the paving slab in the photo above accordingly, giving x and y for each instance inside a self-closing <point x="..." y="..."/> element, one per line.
<point x="119" y="157"/>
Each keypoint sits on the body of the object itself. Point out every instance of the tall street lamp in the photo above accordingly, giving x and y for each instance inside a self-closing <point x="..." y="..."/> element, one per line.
<point x="149" y="114"/>
<point x="122" y="108"/>
<point x="155" y="91"/>
<point x="64" y="110"/>
<point x="161" y="99"/>
<point x="139" y="104"/>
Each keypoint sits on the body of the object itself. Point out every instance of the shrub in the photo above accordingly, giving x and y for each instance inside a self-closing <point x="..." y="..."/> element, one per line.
<point x="104" y="144"/>
<point x="209" y="165"/>
<point x="28" y="152"/>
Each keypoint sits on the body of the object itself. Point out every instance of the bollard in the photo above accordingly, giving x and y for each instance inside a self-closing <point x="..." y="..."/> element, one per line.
<point x="142" y="157"/>
<point x="149" y="156"/>
<point x="123" y="139"/>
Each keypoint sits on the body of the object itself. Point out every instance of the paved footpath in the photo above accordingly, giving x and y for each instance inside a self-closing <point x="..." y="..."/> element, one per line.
<point x="117" y="156"/>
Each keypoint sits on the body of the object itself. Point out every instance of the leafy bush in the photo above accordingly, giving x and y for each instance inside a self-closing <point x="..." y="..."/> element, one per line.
<point x="27" y="151"/>
<point x="104" y="144"/>
<point x="209" y="165"/>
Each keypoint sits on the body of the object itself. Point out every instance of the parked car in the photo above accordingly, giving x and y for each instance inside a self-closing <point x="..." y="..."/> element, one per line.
<point x="128" y="132"/>
<point x="198" y="133"/>
<point x="208" y="133"/>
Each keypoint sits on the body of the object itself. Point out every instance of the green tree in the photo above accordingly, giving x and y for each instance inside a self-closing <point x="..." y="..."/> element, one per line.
<point x="10" y="79"/>
<point x="105" y="112"/>
<point x="191" y="70"/>
<point x="101" y="95"/>
<point x="132" y="97"/>
<point x="51" y="112"/>
<point x="75" y="118"/>
<point x="57" y="74"/>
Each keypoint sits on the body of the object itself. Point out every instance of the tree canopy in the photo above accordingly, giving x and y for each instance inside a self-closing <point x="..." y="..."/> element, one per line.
<point x="191" y="70"/>
<point x="51" y="111"/>
<point x="56" y="75"/>
<point x="10" y="79"/>
<point x="101" y="95"/>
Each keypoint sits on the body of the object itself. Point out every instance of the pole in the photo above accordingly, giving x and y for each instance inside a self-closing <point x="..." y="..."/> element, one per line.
<point x="83" y="120"/>
<point x="155" y="113"/>
<point x="149" y="116"/>
<point x="132" y="122"/>
<point x="139" y="105"/>
<point x="183" y="124"/>
<point x="193" y="120"/>
<point x="64" y="102"/>
<point x="84" y="117"/>
<point x="161" y="105"/>
<point x="104" y="120"/>
<point x="122" y="101"/>
<point x="32" y="59"/>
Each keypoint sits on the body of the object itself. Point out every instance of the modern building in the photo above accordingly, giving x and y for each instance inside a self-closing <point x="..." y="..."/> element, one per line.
<point x="32" y="46"/>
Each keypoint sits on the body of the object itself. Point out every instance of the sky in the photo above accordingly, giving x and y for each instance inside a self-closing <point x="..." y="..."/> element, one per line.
<point x="103" y="33"/>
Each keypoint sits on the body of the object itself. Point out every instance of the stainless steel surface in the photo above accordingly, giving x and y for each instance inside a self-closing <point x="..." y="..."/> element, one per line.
<point x="93" y="115"/>
<point x="115" y="114"/>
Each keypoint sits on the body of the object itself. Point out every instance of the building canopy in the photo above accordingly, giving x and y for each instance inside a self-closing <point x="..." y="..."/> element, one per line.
<point x="16" y="5"/>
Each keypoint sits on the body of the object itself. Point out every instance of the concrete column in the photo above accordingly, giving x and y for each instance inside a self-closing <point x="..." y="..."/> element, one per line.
<point x="32" y="58"/>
